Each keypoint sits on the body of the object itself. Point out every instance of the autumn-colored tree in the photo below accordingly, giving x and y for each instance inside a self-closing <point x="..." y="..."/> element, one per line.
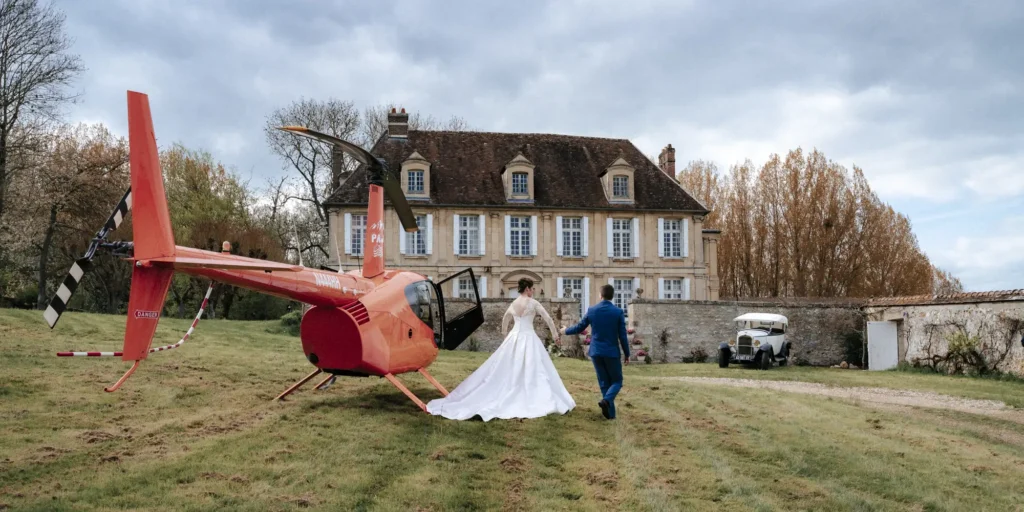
<point x="72" y="193"/>
<point x="804" y="226"/>
<point x="210" y="205"/>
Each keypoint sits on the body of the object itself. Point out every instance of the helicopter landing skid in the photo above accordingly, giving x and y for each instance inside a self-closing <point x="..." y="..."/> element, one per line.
<point x="401" y="387"/>
<point x="298" y="384"/>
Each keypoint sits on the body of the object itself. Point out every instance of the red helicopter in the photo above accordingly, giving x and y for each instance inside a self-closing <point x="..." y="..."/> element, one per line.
<point x="368" y="322"/>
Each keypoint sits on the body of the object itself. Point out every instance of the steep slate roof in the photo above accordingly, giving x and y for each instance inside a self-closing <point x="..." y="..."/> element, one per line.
<point x="952" y="298"/>
<point x="466" y="170"/>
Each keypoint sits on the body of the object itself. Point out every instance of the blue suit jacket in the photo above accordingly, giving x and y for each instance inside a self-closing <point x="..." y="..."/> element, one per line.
<point x="609" y="330"/>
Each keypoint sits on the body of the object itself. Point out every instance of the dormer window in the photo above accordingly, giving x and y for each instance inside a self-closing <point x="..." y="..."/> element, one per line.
<point x="518" y="180"/>
<point x="416" y="177"/>
<point x="617" y="180"/>
<point x="519" y="184"/>
<point x="415" y="183"/>
<point x="620" y="187"/>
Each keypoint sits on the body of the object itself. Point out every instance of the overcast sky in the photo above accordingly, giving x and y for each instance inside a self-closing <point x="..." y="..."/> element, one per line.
<point x="926" y="96"/>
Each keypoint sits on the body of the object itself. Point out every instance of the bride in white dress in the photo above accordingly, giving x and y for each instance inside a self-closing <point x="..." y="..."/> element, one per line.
<point x="518" y="380"/>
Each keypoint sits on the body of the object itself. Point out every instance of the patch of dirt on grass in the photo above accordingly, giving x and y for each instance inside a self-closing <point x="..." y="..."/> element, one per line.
<point x="304" y="501"/>
<point x="96" y="436"/>
<point x="606" y="479"/>
<point x="873" y="395"/>
<point x="512" y="464"/>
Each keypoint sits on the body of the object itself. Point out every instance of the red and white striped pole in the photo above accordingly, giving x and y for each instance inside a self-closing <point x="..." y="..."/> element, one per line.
<point x="195" y="322"/>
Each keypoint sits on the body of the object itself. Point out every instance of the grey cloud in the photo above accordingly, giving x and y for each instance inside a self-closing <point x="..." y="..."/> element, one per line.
<point x="916" y="92"/>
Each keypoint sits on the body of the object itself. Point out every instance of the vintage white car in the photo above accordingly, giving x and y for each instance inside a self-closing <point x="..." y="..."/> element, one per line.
<point x="760" y="340"/>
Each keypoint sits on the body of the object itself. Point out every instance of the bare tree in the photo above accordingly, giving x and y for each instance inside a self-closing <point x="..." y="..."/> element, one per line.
<point x="36" y="69"/>
<point x="375" y="123"/>
<point x="310" y="159"/>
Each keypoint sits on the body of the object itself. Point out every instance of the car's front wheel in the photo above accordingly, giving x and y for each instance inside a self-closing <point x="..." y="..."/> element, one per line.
<point x="764" y="359"/>
<point x="723" y="357"/>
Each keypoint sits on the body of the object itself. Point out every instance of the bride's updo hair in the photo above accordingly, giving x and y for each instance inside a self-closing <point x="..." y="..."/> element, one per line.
<point x="525" y="283"/>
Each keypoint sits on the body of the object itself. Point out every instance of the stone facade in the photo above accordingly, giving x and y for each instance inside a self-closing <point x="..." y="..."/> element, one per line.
<point x="565" y="211"/>
<point x="922" y="330"/>
<point x="816" y="330"/>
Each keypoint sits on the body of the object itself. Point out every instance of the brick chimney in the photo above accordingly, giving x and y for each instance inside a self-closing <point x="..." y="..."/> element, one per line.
<point x="398" y="124"/>
<point x="667" y="161"/>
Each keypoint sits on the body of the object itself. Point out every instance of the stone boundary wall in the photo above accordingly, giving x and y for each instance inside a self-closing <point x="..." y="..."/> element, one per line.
<point x="923" y="330"/>
<point x="816" y="330"/>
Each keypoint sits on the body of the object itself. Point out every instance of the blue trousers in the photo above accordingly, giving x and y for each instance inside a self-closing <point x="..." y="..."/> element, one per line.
<point x="609" y="377"/>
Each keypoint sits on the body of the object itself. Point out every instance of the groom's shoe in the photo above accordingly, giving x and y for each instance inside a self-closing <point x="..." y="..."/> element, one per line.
<point x="605" y="409"/>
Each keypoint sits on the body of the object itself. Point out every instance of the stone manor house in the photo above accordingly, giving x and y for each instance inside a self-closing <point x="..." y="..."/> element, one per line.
<point x="572" y="213"/>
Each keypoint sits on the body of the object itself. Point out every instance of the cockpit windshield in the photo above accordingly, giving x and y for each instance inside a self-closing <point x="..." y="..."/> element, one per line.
<point x="423" y="300"/>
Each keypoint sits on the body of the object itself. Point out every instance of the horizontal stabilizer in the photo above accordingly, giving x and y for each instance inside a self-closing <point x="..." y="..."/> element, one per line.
<point x="231" y="264"/>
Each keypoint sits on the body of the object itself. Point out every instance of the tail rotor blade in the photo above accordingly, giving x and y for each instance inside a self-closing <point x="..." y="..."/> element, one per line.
<point x="59" y="301"/>
<point x="120" y="212"/>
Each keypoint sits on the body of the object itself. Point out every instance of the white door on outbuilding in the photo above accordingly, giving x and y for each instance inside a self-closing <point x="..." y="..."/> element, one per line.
<point x="883" y="347"/>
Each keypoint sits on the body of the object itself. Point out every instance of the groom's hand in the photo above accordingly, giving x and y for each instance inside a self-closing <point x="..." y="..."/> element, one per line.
<point x="626" y="362"/>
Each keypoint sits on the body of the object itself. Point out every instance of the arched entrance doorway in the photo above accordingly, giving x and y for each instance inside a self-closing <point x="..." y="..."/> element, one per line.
<point x="510" y="282"/>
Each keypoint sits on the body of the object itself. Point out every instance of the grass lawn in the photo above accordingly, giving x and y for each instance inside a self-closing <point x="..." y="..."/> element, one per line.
<point x="195" y="429"/>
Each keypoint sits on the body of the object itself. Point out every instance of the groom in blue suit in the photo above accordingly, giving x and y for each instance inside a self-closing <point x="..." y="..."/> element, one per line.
<point x="609" y="333"/>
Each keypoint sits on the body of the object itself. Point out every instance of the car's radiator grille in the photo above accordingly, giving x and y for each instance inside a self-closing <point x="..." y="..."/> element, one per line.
<point x="745" y="346"/>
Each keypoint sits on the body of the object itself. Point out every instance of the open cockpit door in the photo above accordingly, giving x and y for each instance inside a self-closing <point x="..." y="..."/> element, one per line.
<point x="459" y="324"/>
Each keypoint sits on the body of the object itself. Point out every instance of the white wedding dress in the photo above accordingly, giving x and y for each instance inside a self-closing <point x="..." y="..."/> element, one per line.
<point x="517" y="381"/>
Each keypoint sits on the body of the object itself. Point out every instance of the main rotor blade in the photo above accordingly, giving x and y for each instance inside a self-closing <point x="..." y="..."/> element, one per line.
<point x="394" y="191"/>
<point x="360" y="154"/>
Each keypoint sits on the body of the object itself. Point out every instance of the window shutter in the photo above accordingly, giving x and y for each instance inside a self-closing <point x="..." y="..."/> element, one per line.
<point x="402" y="236"/>
<point x="348" y="234"/>
<point x="661" y="237"/>
<point x="430" y="234"/>
<point x="611" y="247"/>
<point x="558" y="283"/>
<point x="483" y="286"/>
<point x="686" y="237"/>
<point x="456" y="234"/>
<point x="636" y="285"/>
<point x="586" y="236"/>
<point x="559" y="249"/>
<point x="661" y="287"/>
<point x="508" y="236"/>
<point x="533" y="235"/>
<point x="586" y="294"/>
<point x="686" y="288"/>
<point x="636" y="237"/>
<point x="481" y="226"/>
<point x="611" y="281"/>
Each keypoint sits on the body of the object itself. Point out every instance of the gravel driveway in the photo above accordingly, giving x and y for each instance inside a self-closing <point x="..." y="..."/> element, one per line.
<point x="873" y="395"/>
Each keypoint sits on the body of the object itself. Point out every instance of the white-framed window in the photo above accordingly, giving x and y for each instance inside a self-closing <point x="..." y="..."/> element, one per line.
<point x="672" y="289"/>
<point x="672" y="238"/>
<point x="416" y="243"/>
<point x="620" y="186"/>
<point x="622" y="238"/>
<point x="572" y="236"/>
<point x="623" y="293"/>
<point x="357" y="234"/>
<point x="415" y="184"/>
<point x="519" y="231"/>
<point x="520" y="185"/>
<point x="576" y="291"/>
<point x="469" y="235"/>
<point x="465" y="288"/>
